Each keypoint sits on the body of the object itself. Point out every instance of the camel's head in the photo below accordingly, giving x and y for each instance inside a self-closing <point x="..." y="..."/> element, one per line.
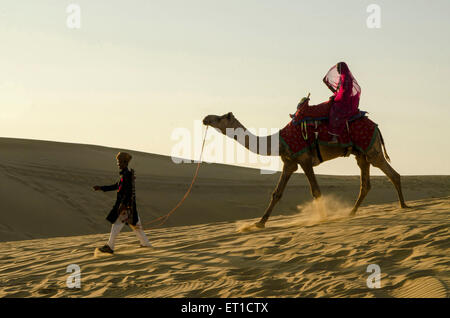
<point x="220" y="122"/>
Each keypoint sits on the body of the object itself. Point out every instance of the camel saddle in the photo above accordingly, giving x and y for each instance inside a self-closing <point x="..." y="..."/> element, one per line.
<point x="310" y="114"/>
<point x="309" y="127"/>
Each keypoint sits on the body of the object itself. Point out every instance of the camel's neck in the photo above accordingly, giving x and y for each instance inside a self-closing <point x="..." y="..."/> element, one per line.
<point x="261" y="145"/>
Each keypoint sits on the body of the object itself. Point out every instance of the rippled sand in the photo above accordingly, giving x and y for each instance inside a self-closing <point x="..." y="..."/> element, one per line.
<point x="308" y="254"/>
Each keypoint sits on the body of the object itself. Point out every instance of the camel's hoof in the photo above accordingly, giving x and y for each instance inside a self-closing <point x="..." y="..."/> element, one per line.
<point x="260" y="225"/>
<point x="352" y="214"/>
<point x="405" y="206"/>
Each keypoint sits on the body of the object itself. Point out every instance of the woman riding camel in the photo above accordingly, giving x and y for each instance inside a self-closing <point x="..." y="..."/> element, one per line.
<point x="345" y="99"/>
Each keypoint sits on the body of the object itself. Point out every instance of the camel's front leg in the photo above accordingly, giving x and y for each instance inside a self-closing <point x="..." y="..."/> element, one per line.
<point x="308" y="169"/>
<point x="288" y="169"/>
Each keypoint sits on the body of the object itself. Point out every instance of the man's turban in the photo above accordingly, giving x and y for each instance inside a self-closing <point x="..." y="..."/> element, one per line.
<point x="124" y="157"/>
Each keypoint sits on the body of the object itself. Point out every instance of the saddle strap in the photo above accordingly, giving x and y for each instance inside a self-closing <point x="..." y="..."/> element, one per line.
<point x="319" y="155"/>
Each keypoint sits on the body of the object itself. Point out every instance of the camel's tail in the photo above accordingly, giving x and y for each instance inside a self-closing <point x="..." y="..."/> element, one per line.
<point x="384" y="147"/>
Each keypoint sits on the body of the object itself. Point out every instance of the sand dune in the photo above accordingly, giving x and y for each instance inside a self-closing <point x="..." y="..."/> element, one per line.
<point x="46" y="189"/>
<point x="300" y="255"/>
<point x="51" y="219"/>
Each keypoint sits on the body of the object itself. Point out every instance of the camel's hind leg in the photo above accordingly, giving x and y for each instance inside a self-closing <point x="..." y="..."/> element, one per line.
<point x="288" y="169"/>
<point x="364" y="165"/>
<point x="380" y="162"/>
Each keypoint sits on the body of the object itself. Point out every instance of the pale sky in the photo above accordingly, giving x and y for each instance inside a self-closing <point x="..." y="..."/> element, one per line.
<point x="137" y="70"/>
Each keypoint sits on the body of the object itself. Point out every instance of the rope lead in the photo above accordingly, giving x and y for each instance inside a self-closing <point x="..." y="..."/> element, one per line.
<point x="164" y="218"/>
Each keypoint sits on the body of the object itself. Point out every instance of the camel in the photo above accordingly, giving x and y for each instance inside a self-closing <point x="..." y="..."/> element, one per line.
<point x="307" y="160"/>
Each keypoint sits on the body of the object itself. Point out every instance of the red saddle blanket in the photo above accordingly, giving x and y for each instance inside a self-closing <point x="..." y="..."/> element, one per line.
<point x="306" y="129"/>
<point x="317" y="111"/>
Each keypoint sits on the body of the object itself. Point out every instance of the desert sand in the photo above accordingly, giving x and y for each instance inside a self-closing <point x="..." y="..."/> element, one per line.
<point x="51" y="218"/>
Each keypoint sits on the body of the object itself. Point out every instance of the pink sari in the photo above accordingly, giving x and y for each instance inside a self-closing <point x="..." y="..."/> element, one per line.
<point x="346" y="97"/>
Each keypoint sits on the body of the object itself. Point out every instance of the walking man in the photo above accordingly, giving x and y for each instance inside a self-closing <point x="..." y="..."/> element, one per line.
<point x="124" y="210"/>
